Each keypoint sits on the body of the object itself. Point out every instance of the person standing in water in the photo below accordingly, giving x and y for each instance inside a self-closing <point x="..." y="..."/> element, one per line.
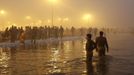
<point x="101" y="44"/>
<point x="90" y="46"/>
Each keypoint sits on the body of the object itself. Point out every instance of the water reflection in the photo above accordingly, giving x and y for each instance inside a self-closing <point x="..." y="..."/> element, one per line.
<point x="53" y="58"/>
<point x="90" y="68"/>
<point x="4" y="61"/>
<point x="98" y="67"/>
<point x="102" y="66"/>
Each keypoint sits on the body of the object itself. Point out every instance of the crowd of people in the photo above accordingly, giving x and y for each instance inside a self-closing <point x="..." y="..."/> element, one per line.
<point x="34" y="33"/>
<point x="31" y="33"/>
<point x="14" y="33"/>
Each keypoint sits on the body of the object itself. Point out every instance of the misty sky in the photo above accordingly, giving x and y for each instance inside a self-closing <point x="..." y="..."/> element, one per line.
<point x="104" y="12"/>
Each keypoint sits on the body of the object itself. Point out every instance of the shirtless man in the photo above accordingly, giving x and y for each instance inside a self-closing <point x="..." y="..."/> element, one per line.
<point x="102" y="44"/>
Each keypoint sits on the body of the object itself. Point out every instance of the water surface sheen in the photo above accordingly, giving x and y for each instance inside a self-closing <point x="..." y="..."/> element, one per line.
<point x="68" y="58"/>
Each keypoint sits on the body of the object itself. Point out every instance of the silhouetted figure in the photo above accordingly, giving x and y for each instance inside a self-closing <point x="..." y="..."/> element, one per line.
<point x="49" y="32"/>
<point x="56" y="32"/>
<point x="81" y="31"/>
<point x="73" y="31"/>
<point x="13" y="34"/>
<point x="101" y="44"/>
<point x="22" y="39"/>
<point x="6" y="34"/>
<point x="95" y="31"/>
<point x="90" y="46"/>
<point x="61" y="31"/>
<point x="45" y="33"/>
<point x="34" y="35"/>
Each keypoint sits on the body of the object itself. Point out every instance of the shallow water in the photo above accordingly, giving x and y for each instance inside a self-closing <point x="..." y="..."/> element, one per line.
<point x="68" y="58"/>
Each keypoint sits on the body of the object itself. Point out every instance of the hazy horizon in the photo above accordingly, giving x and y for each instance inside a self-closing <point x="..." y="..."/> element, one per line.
<point x="107" y="13"/>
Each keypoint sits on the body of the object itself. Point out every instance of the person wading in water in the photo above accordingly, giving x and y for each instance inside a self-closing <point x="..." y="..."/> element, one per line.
<point x="90" y="46"/>
<point x="101" y="44"/>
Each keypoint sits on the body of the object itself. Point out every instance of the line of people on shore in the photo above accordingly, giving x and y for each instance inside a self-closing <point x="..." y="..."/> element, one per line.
<point x="34" y="33"/>
<point x="21" y="34"/>
<point x="31" y="33"/>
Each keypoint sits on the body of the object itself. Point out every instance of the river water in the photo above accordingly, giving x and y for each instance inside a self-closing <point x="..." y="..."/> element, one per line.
<point x="68" y="58"/>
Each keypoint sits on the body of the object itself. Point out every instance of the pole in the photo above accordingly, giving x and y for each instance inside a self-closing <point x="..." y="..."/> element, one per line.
<point x="88" y="22"/>
<point x="52" y="15"/>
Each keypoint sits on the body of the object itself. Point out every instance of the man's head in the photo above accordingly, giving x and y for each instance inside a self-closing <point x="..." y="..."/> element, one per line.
<point x="101" y="33"/>
<point x="89" y="36"/>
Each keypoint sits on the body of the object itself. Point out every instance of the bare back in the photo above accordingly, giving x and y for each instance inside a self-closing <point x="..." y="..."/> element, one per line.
<point x="101" y="41"/>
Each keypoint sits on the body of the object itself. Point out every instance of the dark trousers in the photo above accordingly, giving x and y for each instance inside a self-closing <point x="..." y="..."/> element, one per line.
<point x="89" y="56"/>
<point x="102" y="52"/>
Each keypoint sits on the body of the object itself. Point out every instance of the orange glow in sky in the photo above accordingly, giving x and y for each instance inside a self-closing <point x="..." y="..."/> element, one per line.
<point x="2" y="12"/>
<point x="103" y="12"/>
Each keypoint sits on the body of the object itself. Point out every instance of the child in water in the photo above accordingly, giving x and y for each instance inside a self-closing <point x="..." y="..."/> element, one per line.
<point x="90" y="46"/>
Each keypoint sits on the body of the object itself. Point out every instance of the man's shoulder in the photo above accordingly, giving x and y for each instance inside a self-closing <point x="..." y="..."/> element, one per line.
<point x="97" y="37"/>
<point x="100" y="37"/>
<point x="104" y="37"/>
